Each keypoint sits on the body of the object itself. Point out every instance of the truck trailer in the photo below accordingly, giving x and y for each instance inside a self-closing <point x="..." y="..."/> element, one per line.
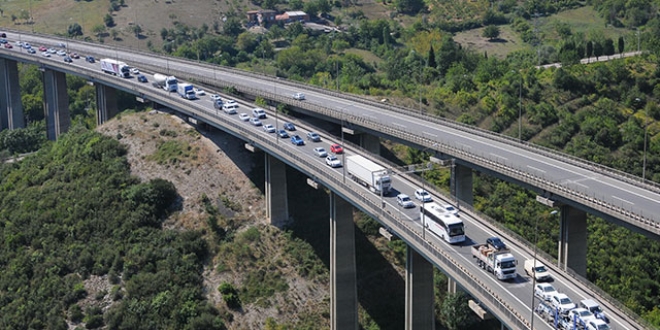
<point x="186" y="91"/>
<point x="115" y="67"/>
<point x="167" y="83"/>
<point x="501" y="263"/>
<point x="368" y="174"/>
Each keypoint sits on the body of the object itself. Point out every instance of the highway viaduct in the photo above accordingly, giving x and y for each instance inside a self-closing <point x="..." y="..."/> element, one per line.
<point x="421" y="251"/>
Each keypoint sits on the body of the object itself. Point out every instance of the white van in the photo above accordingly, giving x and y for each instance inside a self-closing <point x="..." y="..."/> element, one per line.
<point x="259" y="113"/>
<point x="538" y="270"/>
<point x="230" y="107"/>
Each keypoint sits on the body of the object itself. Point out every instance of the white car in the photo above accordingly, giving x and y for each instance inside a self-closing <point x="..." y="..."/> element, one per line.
<point x="597" y="325"/>
<point x="423" y="195"/>
<point x="259" y="113"/>
<point x="51" y="51"/>
<point x="268" y="128"/>
<point x="199" y="92"/>
<point x="61" y="53"/>
<point x="332" y="161"/>
<point x="45" y="54"/>
<point x="231" y="103"/>
<point x="19" y="43"/>
<point x="215" y="97"/>
<point x="244" y="117"/>
<point x="581" y="315"/>
<point x="404" y="201"/>
<point x="135" y="71"/>
<point x="545" y="291"/>
<point x="562" y="302"/>
<point x="299" y="96"/>
<point x="255" y="121"/>
<point x="320" y="151"/>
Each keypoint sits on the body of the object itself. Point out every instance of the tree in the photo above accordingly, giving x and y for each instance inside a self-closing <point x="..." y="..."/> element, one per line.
<point x="491" y="32"/>
<point x="296" y="4"/>
<point x="74" y="30"/>
<point x="114" y="34"/>
<point x="324" y="6"/>
<point x="431" y="60"/>
<point x="456" y="312"/>
<point x="137" y="29"/>
<point x="409" y="6"/>
<point x="621" y="45"/>
<point x="590" y="50"/>
<point x="598" y="50"/>
<point x="108" y="20"/>
<point x="232" y="27"/>
<point x="98" y="29"/>
<point x="312" y="9"/>
<point x="608" y="47"/>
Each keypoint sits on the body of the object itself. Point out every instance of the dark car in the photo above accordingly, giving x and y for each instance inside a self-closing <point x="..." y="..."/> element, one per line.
<point x="90" y="59"/>
<point x="31" y="51"/>
<point x="217" y="104"/>
<point x="68" y="59"/>
<point x="3" y="35"/>
<point x="289" y="127"/>
<point x="297" y="140"/>
<point x="3" y="41"/>
<point x="283" y="134"/>
<point x="496" y="242"/>
<point x="142" y="78"/>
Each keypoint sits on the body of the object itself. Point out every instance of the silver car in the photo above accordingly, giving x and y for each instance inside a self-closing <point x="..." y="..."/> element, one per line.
<point x="404" y="201"/>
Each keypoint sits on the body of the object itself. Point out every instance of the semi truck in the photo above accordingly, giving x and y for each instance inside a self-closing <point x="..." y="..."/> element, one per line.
<point x="115" y="67"/>
<point x="501" y="263"/>
<point x="167" y="83"/>
<point x="186" y="91"/>
<point x="368" y="174"/>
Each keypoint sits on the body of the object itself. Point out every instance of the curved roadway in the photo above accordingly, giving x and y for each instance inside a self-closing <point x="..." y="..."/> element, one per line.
<point x="516" y="294"/>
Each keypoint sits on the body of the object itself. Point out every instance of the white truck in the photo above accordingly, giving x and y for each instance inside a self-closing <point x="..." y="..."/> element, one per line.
<point x="368" y="174"/>
<point x="501" y="263"/>
<point x="167" y="83"/>
<point x="537" y="269"/>
<point x="115" y="67"/>
<point x="186" y="91"/>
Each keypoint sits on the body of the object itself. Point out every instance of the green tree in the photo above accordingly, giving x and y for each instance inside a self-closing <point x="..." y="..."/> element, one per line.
<point x="232" y="27"/>
<point x="324" y="6"/>
<point x="590" y="49"/>
<point x="114" y="34"/>
<point x="311" y="8"/>
<point x="24" y="15"/>
<point x="608" y="47"/>
<point x="431" y="59"/>
<point x="456" y="313"/>
<point x="108" y="20"/>
<point x="409" y="6"/>
<point x="74" y="30"/>
<point x="598" y="50"/>
<point x="296" y="4"/>
<point x="491" y="32"/>
<point x="98" y="29"/>
<point x="621" y="45"/>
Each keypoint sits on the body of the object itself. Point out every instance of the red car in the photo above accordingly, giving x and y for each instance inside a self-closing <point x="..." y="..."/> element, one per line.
<point x="43" y="49"/>
<point x="75" y="55"/>
<point x="336" y="148"/>
<point x="8" y="45"/>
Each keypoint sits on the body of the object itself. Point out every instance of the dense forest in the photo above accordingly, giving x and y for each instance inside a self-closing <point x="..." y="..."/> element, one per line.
<point x="605" y="112"/>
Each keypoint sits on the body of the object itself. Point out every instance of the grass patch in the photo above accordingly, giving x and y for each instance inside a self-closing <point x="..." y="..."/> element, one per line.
<point x="581" y="20"/>
<point x="508" y="42"/>
<point x="172" y="152"/>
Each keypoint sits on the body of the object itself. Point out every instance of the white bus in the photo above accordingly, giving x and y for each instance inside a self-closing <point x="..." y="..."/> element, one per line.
<point x="442" y="223"/>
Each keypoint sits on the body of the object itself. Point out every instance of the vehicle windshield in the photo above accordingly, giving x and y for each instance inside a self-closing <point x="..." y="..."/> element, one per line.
<point x="565" y="301"/>
<point x="450" y="208"/>
<point x="508" y="264"/>
<point x="332" y="157"/>
<point x="585" y="313"/>
<point x="385" y="180"/>
<point x="456" y="230"/>
<point x="540" y="269"/>
<point x="603" y="327"/>
<point x="548" y="289"/>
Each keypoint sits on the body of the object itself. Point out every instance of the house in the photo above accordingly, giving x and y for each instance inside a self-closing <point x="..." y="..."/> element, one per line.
<point x="261" y="17"/>
<point x="293" y="16"/>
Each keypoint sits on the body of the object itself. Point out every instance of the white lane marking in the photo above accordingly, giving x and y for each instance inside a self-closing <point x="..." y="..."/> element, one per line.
<point x="623" y="200"/>
<point x="536" y="169"/>
<point x="430" y="134"/>
<point x="399" y="125"/>
<point x="498" y="156"/>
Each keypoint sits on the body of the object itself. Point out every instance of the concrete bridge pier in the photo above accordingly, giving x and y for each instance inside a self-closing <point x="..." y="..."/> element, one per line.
<point x="56" y="104"/>
<point x="277" y="204"/>
<point x="370" y="142"/>
<point x="461" y="184"/>
<point x="11" y="107"/>
<point x="573" y="240"/>
<point x="106" y="103"/>
<point x="343" y="281"/>
<point x="419" y="292"/>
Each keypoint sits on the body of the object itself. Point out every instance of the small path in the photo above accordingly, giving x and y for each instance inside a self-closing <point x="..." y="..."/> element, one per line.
<point x="603" y="58"/>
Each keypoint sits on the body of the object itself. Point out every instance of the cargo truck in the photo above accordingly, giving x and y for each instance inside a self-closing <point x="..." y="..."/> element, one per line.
<point x="186" y="91"/>
<point x="501" y="263"/>
<point x="115" y="67"/>
<point x="167" y="83"/>
<point x="368" y="174"/>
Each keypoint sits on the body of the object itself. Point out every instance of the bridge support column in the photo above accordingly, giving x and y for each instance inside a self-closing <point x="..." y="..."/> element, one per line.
<point x="573" y="240"/>
<point x="461" y="184"/>
<point x="56" y="104"/>
<point x="370" y="142"/>
<point x="451" y="285"/>
<point x="343" y="282"/>
<point x="11" y="107"/>
<point x="106" y="103"/>
<point x="277" y="204"/>
<point x="419" y="292"/>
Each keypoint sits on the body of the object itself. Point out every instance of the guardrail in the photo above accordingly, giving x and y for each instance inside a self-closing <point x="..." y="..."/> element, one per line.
<point x="480" y="290"/>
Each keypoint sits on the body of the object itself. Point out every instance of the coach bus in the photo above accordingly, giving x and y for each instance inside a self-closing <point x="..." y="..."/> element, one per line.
<point x="442" y="223"/>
